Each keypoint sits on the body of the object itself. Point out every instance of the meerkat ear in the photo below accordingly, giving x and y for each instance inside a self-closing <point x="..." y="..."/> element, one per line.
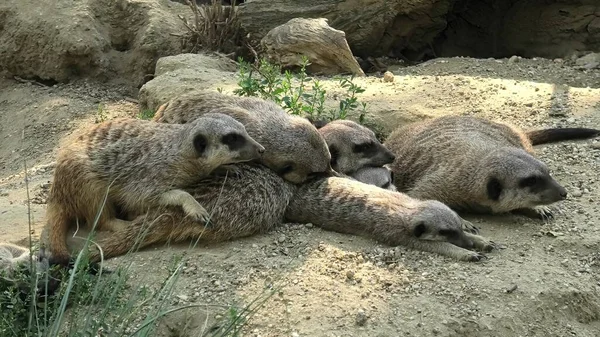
<point x="494" y="189"/>
<point x="335" y="153"/>
<point x="200" y="144"/>
<point x="420" y="229"/>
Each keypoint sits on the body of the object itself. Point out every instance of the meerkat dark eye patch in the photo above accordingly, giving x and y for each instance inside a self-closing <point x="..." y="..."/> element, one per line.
<point x="200" y="144"/>
<point x="448" y="233"/>
<point x="234" y="141"/>
<point x="364" y="148"/>
<point x="494" y="189"/>
<point x="285" y="169"/>
<point x="529" y="181"/>
<point x="420" y="229"/>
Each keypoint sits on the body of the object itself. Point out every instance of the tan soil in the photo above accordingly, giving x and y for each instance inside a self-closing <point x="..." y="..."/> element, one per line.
<point x="544" y="282"/>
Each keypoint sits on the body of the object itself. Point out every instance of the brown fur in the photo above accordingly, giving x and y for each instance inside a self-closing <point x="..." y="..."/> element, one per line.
<point x="353" y="146"/>
<point x="473" y="165"/>
<point x="145" y="164"/>
<point x="257" y="200"/>
<point x="294" y="148"/>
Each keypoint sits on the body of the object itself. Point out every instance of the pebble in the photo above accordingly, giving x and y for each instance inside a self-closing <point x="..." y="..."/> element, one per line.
<point x="361" y="317"/>
<point x="577" y="193"/>
<point x="388" y="76"/>
<point x="281" y="239"/>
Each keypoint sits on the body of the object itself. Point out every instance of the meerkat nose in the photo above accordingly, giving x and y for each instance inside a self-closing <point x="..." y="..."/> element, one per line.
<point x="261" y="150"/>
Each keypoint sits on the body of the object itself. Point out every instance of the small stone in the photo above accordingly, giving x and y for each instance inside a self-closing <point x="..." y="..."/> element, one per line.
<point x="350" y="275"/>
<point x="577" y="193"/>
<point x="281" y="239"/>
<point x="388" y="76"/>
<point x="595" y="146"/>
<point x="361" y="317"/>
<point x="183" y="297"/>
<point x="295" y="334"/>
<point x="513" y="59"/>
<point x="3" y="193"/>
<point x="308" y="225"/>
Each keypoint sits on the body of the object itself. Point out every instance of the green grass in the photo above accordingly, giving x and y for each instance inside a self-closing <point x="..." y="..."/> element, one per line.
<point x="100" y="305"/>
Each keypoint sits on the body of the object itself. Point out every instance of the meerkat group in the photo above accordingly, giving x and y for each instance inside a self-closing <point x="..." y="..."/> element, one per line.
<point x="139" y="165"/>
<point x="294" y="148"/>
<point x="341" y="178"/>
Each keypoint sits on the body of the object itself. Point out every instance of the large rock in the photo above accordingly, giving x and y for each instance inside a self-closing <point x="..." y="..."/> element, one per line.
<point x="326" y="48"/>
<point x="179" y="74"/>
<point x="372" y="27"/>
<point x="63" y="39"/>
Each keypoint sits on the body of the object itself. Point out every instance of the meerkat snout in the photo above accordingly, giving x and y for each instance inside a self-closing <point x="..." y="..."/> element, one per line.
<point x="435" y="221"/>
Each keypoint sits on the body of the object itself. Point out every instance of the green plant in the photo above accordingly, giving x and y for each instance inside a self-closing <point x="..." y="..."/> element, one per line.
<point x="289" y="90"/>
<point x="96" y="305"/>
<point x="101" y="114"/>
<point x="146" y="114"/>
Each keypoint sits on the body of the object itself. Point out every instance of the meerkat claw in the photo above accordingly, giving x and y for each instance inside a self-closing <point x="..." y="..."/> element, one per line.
<point x="469" y="227"/>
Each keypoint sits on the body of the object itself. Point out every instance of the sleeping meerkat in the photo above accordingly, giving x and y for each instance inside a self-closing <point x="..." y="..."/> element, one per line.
<point x="258" y="200"/>
<point x="143" y="165"/>
<point x="382" y="177"/>
<point x="353" y="146"/>
<point x="476" y="165"/>
<point x="294" y="148"/>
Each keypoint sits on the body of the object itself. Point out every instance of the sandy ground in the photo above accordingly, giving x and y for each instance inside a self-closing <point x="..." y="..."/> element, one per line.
<point x="544" y="282"/>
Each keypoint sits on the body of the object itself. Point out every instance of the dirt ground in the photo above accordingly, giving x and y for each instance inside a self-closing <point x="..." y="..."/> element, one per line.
<point x="545" y="281"/>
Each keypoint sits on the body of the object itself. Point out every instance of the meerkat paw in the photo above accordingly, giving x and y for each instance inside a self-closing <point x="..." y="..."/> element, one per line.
<point x="474" y="257"/>
<point x="544" y="213"/>
<point x="468" y="227"/>
<point x="482" y="244"/>
<point x="197" y="213"/>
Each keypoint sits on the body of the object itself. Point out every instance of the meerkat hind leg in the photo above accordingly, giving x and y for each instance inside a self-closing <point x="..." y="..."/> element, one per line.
<point x="448" y="249"/>
<point x="190" y="206"/>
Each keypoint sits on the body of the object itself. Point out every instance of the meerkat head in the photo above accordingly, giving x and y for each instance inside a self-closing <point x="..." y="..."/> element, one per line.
<point x="382" y="177"/>
<point x="515" y="179"/>
<point x="301" y="155"/>
<point x="219" y="139"/>
<point x="434" y="221"/>
<point x="353" y="146"/>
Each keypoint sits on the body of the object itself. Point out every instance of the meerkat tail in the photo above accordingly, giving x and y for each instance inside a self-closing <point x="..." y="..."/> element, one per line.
<point x="561" y="134"/>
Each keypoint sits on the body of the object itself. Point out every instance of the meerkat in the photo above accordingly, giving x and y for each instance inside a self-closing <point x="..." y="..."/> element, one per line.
<point x="258" y="200"/>
<point x="353" y="146"/>
<point x="382" y="177"/>
<point x="138" y="165"/>
<point x="478" y="166"/>
<point x="294" y="147"/>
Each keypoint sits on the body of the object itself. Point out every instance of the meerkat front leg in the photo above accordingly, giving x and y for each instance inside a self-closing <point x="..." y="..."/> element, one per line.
<point x="544" y="213"/>
<point x="448" y="249"/>
<point x="481" y="243"/>
<point x="187" y="202"/>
